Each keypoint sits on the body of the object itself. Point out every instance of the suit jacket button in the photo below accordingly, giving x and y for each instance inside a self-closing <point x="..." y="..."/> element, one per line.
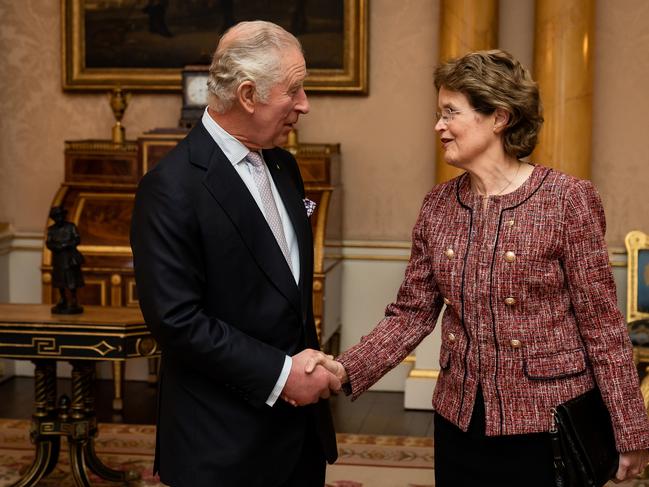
<point x="510" y="256"/>
<point x="447" y="301"/>
<point x="510" y="301"/>
<point x="451" y="337"/>
<point x="450" y="253"/>
<point x="510" y="223"/>
<point x="515" y="343"/>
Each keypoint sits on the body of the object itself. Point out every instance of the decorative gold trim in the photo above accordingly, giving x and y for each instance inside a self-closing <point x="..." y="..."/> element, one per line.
<point x="47" y="347"/>
<point x="145" y="148"/>
<point x="125" y="271"/>
<point x="98" y="184"/>
<point x="146" y="346"/>
<point x="181" y="134"/>
<point x="71" y="357"/>
<point x="386" y="258"/>
<point x="369" y="244"/>
<point x="316" y="150"/>
<point x="318" y="237"/>
<point x="130" y="293"/>
<point x="423" y="374"/>
<point x="100" y="146"/>
<point x="134" y="330"/>
<point x="634" y="241"/>
<point x="101" y="282"/>
<point x="352" y="78"/>
<point x="105" y="249"/>
<point x="410" y="359"/>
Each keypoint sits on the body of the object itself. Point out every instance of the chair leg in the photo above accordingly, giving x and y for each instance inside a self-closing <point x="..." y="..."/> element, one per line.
<point x="118" y="383"/>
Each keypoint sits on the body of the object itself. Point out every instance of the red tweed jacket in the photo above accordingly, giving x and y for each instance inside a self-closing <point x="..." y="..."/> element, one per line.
<point x="531" y="310"/>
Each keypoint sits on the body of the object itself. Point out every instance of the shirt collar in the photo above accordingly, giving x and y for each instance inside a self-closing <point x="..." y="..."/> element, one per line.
<point x="234" y="150"/>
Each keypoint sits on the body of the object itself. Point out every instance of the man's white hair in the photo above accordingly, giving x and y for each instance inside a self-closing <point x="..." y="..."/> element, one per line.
<point x="248" y="51"/>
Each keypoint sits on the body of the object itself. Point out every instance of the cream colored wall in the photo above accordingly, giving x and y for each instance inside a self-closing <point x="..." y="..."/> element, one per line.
<point x="621" y="108"/>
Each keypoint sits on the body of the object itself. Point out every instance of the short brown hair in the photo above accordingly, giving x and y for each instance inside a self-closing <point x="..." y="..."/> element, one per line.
<point x="494" y="79"/>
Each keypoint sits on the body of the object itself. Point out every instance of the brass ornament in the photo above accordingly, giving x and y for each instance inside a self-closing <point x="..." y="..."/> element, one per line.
<point x="118" y="103"/>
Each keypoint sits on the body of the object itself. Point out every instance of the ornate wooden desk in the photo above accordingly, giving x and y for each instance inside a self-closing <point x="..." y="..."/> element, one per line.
<point x="30" y="331"/>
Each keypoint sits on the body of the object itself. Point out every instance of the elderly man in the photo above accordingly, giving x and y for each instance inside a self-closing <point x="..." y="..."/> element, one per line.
<point x="222" y="249"/>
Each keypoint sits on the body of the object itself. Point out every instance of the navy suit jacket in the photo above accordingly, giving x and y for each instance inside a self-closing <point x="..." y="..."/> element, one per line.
<point x="219" y="297"/>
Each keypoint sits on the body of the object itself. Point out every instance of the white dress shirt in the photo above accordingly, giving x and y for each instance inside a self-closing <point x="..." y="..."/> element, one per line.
<point x="236" y="153"/>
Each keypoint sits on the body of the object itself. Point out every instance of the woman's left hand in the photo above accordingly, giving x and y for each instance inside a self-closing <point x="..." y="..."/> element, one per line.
<point x="632" y="464"/>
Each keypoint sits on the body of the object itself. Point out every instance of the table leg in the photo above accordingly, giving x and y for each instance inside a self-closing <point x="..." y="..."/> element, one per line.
<point x="47" y="446"/>
<point x="47" y="453"/>
<point x="78" y="464"/>
<point x="102" y="470"/>
<point x="82" y="446"/>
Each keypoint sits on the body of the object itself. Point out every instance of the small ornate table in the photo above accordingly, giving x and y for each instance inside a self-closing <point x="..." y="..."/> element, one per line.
<point x="30" y="331"/>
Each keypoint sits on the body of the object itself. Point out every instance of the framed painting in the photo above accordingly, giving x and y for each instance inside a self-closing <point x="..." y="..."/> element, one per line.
<point x="144" y="44"/>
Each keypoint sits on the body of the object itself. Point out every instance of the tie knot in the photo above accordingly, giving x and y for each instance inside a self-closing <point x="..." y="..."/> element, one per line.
<point x="255" y="159"/>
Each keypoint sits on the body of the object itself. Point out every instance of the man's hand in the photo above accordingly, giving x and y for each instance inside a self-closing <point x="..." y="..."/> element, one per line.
<point x="631" y="465"/>
<point x="328" y="362"/>
<point x="303" y="388"/>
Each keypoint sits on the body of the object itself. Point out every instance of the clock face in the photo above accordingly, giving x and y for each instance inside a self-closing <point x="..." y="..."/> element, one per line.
<point x="196" y="90"/>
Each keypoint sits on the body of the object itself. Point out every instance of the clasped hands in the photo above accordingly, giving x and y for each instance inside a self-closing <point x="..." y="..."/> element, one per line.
<point x="314" y="376"/>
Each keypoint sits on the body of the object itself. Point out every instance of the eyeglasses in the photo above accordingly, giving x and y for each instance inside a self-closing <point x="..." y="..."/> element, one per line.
<point x="448" y="114"/>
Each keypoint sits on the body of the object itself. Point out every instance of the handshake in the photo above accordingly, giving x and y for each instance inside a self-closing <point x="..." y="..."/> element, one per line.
<point x="314" y="376"/>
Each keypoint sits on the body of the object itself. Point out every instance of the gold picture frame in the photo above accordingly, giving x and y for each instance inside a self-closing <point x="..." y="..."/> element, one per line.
<point x="84" y="68"/>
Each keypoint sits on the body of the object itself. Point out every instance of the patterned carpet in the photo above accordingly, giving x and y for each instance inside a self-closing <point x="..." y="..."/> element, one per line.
<point x="364" y="461"/>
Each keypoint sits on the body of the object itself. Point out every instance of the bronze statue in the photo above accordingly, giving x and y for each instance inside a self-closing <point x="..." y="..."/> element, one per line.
<point x="62" y="240"/>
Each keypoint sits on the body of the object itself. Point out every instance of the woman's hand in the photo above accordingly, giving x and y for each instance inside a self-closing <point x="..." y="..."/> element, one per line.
<point x="632" y="464"/>
<point x="328" y="362"/>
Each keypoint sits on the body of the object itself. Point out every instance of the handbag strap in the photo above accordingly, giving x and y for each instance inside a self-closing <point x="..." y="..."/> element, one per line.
<point x="559" y="466"/>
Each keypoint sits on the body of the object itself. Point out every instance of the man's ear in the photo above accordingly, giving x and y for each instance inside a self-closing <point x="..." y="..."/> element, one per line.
<point x="246" y="96"/>
<point x="501" y="120"/>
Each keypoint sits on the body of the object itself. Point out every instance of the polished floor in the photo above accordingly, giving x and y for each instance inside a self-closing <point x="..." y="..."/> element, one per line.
<point x="374" y="413"/>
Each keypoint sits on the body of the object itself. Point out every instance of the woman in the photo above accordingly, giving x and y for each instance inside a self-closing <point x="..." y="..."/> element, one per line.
<point x="516" y="251"/>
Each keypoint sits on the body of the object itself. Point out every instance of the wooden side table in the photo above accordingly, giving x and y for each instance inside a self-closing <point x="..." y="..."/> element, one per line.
<point x="30" y="331"/>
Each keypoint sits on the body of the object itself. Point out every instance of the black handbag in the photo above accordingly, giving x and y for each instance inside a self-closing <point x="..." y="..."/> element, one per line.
<point x="583" y="443"/>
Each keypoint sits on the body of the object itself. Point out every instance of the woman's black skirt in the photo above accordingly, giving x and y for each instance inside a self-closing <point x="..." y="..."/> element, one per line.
<point x="473" y="459"/>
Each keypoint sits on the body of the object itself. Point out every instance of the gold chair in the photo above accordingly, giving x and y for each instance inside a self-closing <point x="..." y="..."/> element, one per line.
<point x="637" y="308"/>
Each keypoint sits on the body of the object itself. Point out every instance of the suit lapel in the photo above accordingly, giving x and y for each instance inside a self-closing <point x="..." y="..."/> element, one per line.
<point x="295" y="208"/>
<point x="227" y="188"/>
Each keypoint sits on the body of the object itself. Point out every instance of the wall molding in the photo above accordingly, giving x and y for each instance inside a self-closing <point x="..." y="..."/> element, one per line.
<point x="12" y="240"/>
<point x="369" y="250"/>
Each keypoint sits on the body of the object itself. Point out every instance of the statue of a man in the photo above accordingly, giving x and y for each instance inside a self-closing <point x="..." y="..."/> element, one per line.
<point x="62" y="240"/>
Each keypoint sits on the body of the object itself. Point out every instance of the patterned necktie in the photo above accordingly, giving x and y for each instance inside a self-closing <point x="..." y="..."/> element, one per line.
<point x="267" y="199"/>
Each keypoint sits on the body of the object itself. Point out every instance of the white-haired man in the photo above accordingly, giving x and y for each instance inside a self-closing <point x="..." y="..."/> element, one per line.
<point x="222" y="249"/>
